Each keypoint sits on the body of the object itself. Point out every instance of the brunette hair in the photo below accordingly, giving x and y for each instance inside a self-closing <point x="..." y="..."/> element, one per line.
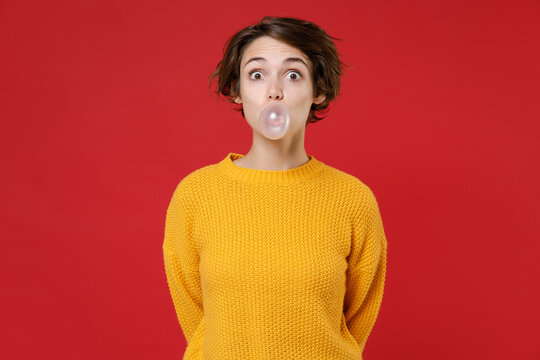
<point x="306" y="36"/>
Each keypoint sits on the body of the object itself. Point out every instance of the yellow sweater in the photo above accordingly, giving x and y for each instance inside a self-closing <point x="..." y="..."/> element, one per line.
<point x="274" y="264"/>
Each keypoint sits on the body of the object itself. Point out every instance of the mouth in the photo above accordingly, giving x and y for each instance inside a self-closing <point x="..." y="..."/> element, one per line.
<point x="276" y="120"/>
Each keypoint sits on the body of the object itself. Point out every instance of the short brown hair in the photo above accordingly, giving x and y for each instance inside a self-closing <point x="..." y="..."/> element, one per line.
<point x="306" y="36"/>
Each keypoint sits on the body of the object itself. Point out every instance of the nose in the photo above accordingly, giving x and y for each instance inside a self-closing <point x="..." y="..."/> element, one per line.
<point x="275" y="92"/>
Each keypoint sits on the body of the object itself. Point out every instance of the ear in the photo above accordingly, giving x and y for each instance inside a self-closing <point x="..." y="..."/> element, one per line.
<point x="319" y="99"/>
<point x="238" y="99"/>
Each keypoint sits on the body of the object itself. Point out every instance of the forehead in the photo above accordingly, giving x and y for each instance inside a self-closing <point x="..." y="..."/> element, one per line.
<point x="272" y="50"/>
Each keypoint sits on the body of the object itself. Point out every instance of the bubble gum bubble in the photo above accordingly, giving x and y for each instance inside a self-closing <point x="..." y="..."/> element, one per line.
<point x="274" y="120"/>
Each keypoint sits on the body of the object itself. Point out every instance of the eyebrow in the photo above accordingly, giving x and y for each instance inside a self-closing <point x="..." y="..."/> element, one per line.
<point x="287" y="60"/>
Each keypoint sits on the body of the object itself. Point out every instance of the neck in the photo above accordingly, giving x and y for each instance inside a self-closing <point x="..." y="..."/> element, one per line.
<point x="283" y="154"/>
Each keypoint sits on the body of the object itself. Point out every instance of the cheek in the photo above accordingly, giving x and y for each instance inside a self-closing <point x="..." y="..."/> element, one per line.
<point x="303" y="97"/>
<point x="305" y="91"/>
<point x="250" y="92"/>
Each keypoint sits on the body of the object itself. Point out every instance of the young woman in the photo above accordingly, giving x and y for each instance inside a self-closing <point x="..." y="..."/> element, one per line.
<point x="275" y="254"/>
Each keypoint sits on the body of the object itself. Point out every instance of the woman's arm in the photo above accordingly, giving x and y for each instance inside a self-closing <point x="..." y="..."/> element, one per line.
<point x="182" y="262"/>
<point x="367" y="269"/>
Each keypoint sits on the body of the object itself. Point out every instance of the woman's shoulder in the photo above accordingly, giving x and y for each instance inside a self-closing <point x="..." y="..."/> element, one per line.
<point x="347" y="180"/>
<point x="196" y="180"/>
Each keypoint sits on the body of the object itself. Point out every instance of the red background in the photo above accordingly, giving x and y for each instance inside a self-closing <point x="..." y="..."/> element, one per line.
<point x="105" y="107"/>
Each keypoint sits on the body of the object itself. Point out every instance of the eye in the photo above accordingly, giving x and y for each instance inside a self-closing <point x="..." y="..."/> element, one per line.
<point x="296" y="74"/>
<point x="254" y="72"/>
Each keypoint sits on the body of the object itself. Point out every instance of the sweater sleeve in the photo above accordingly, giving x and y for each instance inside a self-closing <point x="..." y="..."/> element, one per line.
<point x="367" y="269"/>
<point x="181" y="262"/>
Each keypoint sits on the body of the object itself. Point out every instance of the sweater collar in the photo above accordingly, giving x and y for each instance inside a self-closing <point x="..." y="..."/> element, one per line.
<point x="257" y="176"/>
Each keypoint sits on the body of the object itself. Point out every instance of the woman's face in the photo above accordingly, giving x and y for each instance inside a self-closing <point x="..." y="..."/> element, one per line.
<point x="272" y="70"/>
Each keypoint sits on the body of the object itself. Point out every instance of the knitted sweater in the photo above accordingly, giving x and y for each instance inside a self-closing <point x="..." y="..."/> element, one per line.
<point x="274" y="264"/>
